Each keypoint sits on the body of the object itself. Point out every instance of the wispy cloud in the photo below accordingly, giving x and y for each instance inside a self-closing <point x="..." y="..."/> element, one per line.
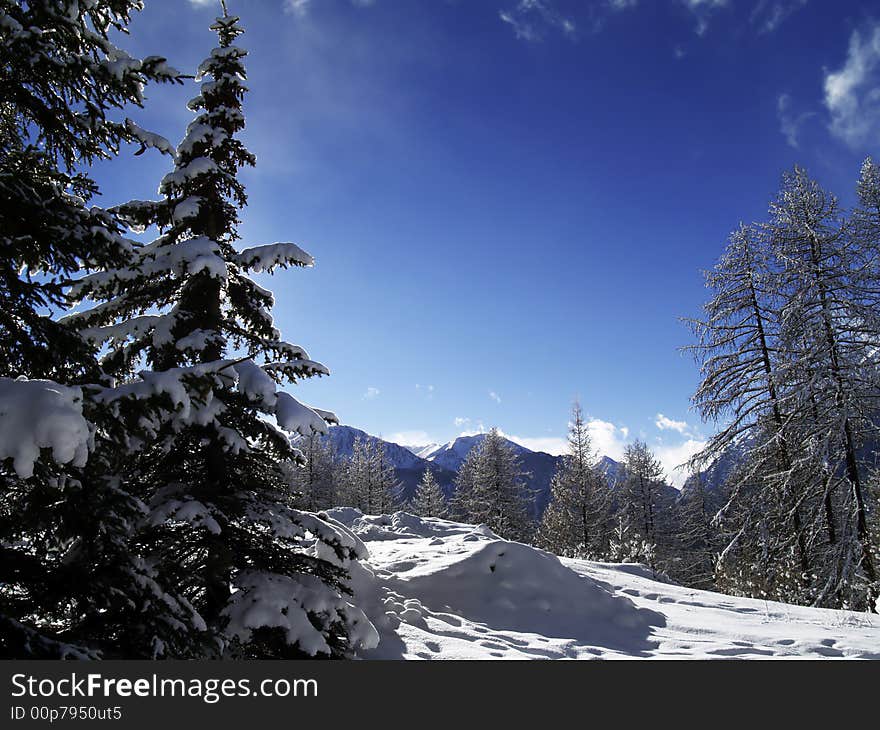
<point x="460" y="421"/>
<point x="790" y="123"/>
<point x="494" y="396"/>
<point x="768" y="15"/>
<point x="667" y="424"/>
<point x="297" y="8"/>
<point x="852" y="93"/>
<point x="371" y="393"/>
<point x="531" y="20"/>
<point x="702" y="10"/>
<point x="548" y="444"/>
<point x="411" y="438"/>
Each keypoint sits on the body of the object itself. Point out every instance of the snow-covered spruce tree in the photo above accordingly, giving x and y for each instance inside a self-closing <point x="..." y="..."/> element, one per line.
<point x="268" y="580"/>
<point x="499" y="497"/>
<point x="829" y="325"/>
<point x="744" y="372"/>
<point x="576" y="522"/>
<point x="369" y="481"/>
<point x="429" y="500"/>
<point x="69" y="584"/>
<point x="626" y="545"/>
<point x="461" y="504"/>
<point x="640" y="497"/>
<point x="696" y="538"/>
<point x="314" y="482"/>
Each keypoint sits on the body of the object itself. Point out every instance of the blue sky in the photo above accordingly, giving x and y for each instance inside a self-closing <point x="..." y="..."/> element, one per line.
<point x="511" y="201"/>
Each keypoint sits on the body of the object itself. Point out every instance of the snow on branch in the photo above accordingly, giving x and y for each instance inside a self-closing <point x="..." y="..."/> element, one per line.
<point x="149" y="139"/>
<point x="268" y="257"/>
<point x="269" y="600"/>
<point x="41" y="414"/>
<point x="295" y="417"/>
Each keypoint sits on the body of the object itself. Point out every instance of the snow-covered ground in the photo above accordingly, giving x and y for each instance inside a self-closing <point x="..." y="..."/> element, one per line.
<point x="444" y="590"/>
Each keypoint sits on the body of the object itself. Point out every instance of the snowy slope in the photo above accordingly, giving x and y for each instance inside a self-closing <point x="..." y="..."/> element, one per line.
<point x="424" y="452"/>
<point x="452" y="455"/>
<point x="443" y="590"/>
<point x="343" y="438"/>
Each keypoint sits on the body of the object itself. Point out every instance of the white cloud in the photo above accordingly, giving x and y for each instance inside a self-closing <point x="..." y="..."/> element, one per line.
<point x="852" y="93"/>
<point x="768" y="15"/>
<point x="547" y="444"/>
<point x="608" y="440"/>
<point x="299" y="8"/>
<point x="371" y="393"/>
<point x="673" y="457"/>
<point x="622" y="4"/>
<point x="494" y="396"/>
<point x="530" y="20"/>
<point x="411" y="438"/>
<point x="461" y="421"/>
<point x="702" y="10"/>
<point x="480" y="428"/>
<point x="790" y="124"/>
<point x="667" y="424"/>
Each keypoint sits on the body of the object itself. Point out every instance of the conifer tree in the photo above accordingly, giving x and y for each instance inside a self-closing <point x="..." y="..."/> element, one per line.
<point x="461" y="504"/>
<point x="640" y="496"/>
<point x="314" y="482"/>
<point x="370" y="482"/>
<point x="68" y="577"/>
<point x="268" y="580"/>
<point x="429" y="500"/>
<point x="829" y="318"/>
<point x="575" y="523"/>
<point x="745" y="369"/>
<point x="498" y="497"/>
<point x="696" y="539"/>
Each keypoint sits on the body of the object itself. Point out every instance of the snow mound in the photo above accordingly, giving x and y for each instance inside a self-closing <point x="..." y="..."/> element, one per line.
<point x="436" y="589"/>
<point x="512" y="586"/>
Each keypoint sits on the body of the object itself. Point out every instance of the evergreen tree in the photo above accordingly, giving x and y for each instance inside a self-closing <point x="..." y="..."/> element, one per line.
<point x="497" y="497"/>
<point x="67" y="572"/>
<point x="696" y="539"/>
<point x="314" y="482"/>
<point x="830" y="325"/>
<point x="462" y="503"/>
<point x="370" y="482"/>
<point x="429" y="500"/>
<point x="268" y="580"/>
<point x="640" y="497"/>
<point x="575" y="523"/>
<point x="745" y="369"/>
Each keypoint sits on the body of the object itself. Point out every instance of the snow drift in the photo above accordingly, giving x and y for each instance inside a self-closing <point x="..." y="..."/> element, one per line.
<point x="436" y="589"/>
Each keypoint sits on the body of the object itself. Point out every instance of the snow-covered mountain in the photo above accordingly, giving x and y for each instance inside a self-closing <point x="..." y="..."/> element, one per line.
<point x="409" y="466"/>
<point x="343" y="438"/>
<point x="436" y="589"/>
<point x="423" y="452"/>
<point x="445" y="460"/>
<point x="612" y="470"/>
<point x="452" y="455"/>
